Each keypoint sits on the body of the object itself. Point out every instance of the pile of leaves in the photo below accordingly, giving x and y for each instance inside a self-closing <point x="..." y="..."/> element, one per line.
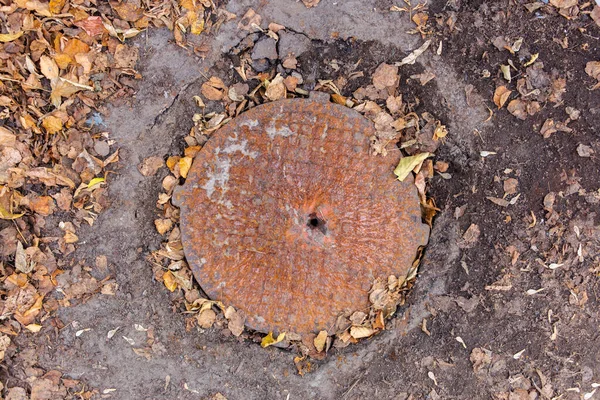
<point x="263" y="75"/>
<point x="59" y="62"/>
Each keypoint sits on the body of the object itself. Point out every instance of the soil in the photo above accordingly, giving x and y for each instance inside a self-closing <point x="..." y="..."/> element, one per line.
<point x="485" y="336"/>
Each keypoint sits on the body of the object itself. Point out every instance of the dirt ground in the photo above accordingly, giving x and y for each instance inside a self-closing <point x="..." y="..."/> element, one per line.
<point x="512" y="313"/>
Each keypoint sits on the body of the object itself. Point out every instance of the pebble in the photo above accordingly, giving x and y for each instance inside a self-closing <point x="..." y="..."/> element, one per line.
<point x="292" y="43"/>
<point x="265" y="48"/>
<point x="102" y="148"/>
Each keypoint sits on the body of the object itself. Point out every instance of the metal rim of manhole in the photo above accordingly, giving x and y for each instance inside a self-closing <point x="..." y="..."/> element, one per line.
<point x="287" y="217"/>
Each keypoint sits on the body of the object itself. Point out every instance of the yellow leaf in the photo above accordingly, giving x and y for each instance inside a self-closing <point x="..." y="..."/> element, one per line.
<point x="94" y="182"/>
<point x="172" y="162"/>
<point x="407" y="164"/>
<point x="532" y="59"/>
<point x="184" y="166"/>
<point x="9" y="37"/>
<point x="440" y="131"/>
<point x="63" y="60"/>
<point x="269" y="340"/>
<point x="169" y="281"/>
<point x="320" y="341"/>
<point x="52" y="124"/>
<point x="35" y="328"/>
<point x="56" y="6"/>
<point x="196" y="24"/>
<point x="4" y="214"/>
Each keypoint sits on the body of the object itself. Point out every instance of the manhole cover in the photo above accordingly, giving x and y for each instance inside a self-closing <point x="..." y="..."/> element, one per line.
<point x="286" y="216"/>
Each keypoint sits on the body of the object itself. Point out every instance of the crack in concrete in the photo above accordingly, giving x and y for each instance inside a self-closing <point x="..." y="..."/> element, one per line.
<point x="166" y="109"/>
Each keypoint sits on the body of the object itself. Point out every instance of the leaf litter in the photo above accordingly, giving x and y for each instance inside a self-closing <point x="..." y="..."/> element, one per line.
<point x="60" y="62"/>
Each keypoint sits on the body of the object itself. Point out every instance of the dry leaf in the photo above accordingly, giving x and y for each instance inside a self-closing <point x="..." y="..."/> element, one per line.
<point x="9" y="37"/>
<point x="185" y="163"/>
<point x="385" y="76"/>
<point x="424" y="77"/>
<point x="169" y="281"/>
<point x="412" y="57"/>
<point x="21" y="259"/>
<point x="52" y="124"/>
<point x="269" y="340"/>
<point x="276" y="89"/>
<point x="320" y="341"/>
<point x="235" y="321"/>
<point x="48" y="67"/>
<point x="498" y="201"/>
<point x="592" y="68"/>
<point x="584" y="151"/>
<point x="518" y="108"/>
<point x="163" y="225"/>
<point x="213" y="89"/>
<point x="310" y="3"/>
<point x="151" y="165"/>
<point x="510" y="186"/>
<point x="206" y="318"/>
<point x="548" y="128"/>
<point x="501" y="95"/>
<point x="250" y="21"/>
<point x="407" y="164"/>
<point x="359" y="332"/>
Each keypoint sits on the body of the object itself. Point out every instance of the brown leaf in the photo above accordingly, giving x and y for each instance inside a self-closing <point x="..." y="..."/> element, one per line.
<point x="43" y="205"/>
<point x="385" y="76"/>
<point x="518" y="108"/>
<point x="128" y="11"/>
<point x="592" y="68"/>
<point x="290" y="83"/>
<point x="510" y="186"/>
<point x="52" y="124"/>
<point x="563" y="3"/>
<point x="320" y="341"/>
<point x="501" y="95"/>
<point x="206" y="318"/>
<point x="595" y="14"/>
<point x="470" y="237"/>
<point x="359" y="332"/>
<point x="151" y="165"/>
<point x="481" y="358"/>
<point x="548" y="128"/>
<point x="126" y="56"/>
<point x="310" y="3"/>
<point x="163" y="225"/>
<point x="276" y="89"/>
<point x="48" y="67"/>
<point x="498" y="201"/>
<point x="584" y="151"/>
<point x="93" y="26"/>
<point x="213" y="89"/>
<point x="250" y="20"/>
<point x="235" y="321"/>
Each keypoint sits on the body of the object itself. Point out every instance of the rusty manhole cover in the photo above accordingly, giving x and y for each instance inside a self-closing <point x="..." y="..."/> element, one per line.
<point x="286" y="216"/>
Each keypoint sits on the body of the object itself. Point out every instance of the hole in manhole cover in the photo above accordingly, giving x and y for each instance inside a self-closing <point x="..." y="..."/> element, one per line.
<point x="286" y="216"/>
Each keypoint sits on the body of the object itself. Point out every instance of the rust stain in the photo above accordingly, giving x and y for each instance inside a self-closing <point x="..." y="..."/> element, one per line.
<point x="286" y="216"/>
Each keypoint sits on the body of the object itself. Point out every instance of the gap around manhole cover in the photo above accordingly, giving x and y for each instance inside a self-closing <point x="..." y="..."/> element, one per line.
<point x="286" y="216"/>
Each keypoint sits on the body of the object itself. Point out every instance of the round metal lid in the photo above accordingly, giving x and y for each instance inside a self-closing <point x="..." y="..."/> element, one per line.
<point x="286" y="216"/>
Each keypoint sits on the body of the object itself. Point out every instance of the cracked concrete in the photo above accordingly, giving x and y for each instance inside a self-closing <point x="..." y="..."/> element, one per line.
<point x="201" y="364"/>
